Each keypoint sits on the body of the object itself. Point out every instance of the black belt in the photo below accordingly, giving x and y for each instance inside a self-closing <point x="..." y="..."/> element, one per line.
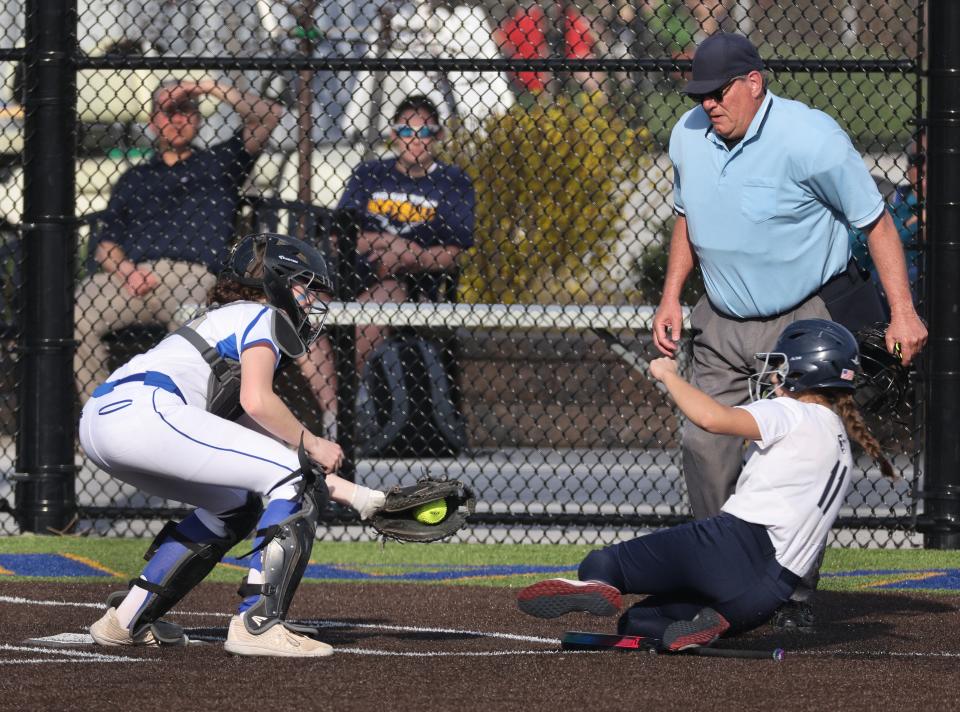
<point x="833" y="287"/>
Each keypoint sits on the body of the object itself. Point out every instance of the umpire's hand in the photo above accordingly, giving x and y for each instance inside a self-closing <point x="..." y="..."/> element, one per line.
<point x="906" y="336"/>
<point x="667" y="325"/>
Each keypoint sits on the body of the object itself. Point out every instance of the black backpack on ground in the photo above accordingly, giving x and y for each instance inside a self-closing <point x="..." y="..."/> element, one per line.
<point x="407" y="404"/>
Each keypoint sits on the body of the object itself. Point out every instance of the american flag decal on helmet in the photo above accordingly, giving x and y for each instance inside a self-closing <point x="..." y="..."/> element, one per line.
<point x="846" y="374"/>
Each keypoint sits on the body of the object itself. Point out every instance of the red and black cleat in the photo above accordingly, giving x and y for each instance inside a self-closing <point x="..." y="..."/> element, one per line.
<point x="556" y="597"/>
<point x="706" y="627"/>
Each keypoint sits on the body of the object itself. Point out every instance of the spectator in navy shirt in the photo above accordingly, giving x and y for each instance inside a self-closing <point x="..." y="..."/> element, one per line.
<point x="169" y="222"/>
<point x="416" y="217"/>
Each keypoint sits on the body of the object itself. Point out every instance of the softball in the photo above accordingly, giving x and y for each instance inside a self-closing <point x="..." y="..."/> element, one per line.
<point x="431" y="512"/>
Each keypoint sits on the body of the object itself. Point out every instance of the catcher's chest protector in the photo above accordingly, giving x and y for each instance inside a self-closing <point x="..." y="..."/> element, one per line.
<point x="223" y="388"/>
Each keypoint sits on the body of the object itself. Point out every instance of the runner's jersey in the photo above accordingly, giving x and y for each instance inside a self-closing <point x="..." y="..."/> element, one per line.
<point x="231" y="328"/>
<point x="795" y="477"/>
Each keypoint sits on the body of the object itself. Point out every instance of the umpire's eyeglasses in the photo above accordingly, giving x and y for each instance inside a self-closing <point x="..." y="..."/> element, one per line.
<point x="717" y="94"/>
<point x="427" y="131"/>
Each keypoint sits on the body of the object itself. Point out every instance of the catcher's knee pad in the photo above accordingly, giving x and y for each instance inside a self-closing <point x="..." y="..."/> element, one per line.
<point x="182" y="554"/>
<point x="601" y="565"/>
<point x="284" y="556"/>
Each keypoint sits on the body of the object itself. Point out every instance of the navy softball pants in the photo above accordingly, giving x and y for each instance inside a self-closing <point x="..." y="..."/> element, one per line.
<point x="722" y="562"/>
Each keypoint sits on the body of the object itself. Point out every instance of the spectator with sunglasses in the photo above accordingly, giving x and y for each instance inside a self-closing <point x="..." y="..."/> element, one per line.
<point x="765" y="190"/>
<point x="170" y="221"/>
<point x="416" y="217"/>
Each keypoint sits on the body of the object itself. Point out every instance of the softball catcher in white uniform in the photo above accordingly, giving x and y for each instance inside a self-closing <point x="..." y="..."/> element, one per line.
<point x="196" y="419"/>
<point x="729" y="573"/>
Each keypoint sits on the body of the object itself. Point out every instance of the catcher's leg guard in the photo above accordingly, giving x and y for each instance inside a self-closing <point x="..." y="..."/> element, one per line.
<point x="288" y="529"/>
<point x="182" y="555"/>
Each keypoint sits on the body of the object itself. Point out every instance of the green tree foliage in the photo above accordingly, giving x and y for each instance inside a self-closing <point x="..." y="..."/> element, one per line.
<point x="550" y="181"/>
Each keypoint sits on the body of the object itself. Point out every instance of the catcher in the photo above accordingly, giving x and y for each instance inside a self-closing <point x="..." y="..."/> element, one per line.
<point x="196" y="419"/>
<point x="729" y="573"/>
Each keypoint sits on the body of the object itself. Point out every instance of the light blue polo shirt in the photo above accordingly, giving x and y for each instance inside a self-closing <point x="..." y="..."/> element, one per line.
<point x="768" y="218"/>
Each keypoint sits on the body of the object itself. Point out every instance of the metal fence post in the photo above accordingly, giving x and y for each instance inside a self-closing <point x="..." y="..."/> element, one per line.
<point x="940" y="521"/>
<point x="347" y="226"/>
<point x="45" y="497"/>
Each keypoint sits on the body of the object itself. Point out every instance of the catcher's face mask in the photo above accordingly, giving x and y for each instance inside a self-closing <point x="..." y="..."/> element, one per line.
<point x="312" y="301"/>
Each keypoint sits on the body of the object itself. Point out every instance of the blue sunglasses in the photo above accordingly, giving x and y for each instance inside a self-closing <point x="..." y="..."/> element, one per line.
<point x="427" y="131"/>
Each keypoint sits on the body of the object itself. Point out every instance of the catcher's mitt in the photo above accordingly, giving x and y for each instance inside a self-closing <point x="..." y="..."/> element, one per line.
<point x="396" y="520"/>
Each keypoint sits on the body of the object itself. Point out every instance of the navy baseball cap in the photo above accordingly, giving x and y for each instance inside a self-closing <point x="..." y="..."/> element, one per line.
<point x="720" y="58"/>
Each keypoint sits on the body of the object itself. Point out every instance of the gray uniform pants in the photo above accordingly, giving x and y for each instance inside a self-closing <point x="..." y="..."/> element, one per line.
<point x="724" y="352"/>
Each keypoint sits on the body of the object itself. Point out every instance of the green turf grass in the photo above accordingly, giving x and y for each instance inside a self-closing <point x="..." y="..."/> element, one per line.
<point x="124" y="556"/>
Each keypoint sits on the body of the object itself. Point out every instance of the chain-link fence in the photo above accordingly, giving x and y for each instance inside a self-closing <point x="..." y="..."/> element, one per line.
<point x="490" y="180"/>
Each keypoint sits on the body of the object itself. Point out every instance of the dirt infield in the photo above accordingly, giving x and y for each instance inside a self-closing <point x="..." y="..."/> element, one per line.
<point x="431" y="648"/>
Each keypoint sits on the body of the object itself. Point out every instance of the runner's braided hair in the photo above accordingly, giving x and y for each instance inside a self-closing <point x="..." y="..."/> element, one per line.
<point x="842" y="403"/>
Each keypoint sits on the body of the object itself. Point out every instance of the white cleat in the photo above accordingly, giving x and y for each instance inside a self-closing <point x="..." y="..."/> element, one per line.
<point x="276" y="641"/>
<point x="108" y="631"/>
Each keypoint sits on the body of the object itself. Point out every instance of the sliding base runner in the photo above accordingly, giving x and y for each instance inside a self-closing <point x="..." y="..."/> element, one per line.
<point x="580" y="640"/>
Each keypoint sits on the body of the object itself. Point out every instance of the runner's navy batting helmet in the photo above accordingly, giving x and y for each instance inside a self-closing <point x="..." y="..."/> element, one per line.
<point x="293" y="276"/>
<point x="810" y="353"/>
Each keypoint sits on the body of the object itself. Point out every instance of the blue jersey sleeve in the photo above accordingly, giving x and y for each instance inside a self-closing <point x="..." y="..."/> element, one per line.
<point x="260" y="332"/>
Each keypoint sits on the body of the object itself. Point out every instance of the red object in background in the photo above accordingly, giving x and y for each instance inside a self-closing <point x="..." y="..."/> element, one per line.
<point x="523" y="36"/>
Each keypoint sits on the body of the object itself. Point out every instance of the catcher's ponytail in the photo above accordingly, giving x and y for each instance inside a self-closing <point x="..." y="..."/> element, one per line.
<point x="228" y="290"/>
<point x="846" y="408"/>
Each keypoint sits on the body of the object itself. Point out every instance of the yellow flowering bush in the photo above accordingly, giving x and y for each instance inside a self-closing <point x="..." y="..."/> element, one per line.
<point x="550" y="182"/>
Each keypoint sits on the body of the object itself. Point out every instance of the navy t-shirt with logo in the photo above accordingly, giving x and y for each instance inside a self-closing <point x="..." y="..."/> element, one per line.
<point x="432" y="210"/>
<point x="184" y="212"/>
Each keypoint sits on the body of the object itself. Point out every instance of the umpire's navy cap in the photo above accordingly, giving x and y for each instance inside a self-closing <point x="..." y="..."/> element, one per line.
<point x="720" y="58"/>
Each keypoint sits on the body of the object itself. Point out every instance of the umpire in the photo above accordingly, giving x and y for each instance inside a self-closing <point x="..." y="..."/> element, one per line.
<point x="765" y="189"/>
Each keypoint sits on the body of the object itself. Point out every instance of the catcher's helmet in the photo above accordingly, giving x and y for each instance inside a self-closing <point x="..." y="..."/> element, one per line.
<point x="292" y="275"/>
<point x="810" y="353"/>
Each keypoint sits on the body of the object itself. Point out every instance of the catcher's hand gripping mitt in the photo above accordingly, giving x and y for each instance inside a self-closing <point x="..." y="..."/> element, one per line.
<point x="397" y="520"/>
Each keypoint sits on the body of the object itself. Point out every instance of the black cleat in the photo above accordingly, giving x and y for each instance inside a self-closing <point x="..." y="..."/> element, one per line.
<point x="706" y="627"/>
<point x="557" y="597"/>
<point x="794" y="615"/>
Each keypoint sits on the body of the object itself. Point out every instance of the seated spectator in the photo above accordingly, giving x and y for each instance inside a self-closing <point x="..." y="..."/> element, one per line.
<point x="904" y="209"/>
<point x="203" y="28"/>
<point x="416" y="217"/>
<point x="169" y="223"/>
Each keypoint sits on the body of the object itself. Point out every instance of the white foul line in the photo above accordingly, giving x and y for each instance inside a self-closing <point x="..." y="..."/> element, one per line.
<point x="872" y="653"/>
<point x="101" y="606"/>
<point x="454" y="654"/>
<point x="72" y="656"/>
<point x="420" y="629"/>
